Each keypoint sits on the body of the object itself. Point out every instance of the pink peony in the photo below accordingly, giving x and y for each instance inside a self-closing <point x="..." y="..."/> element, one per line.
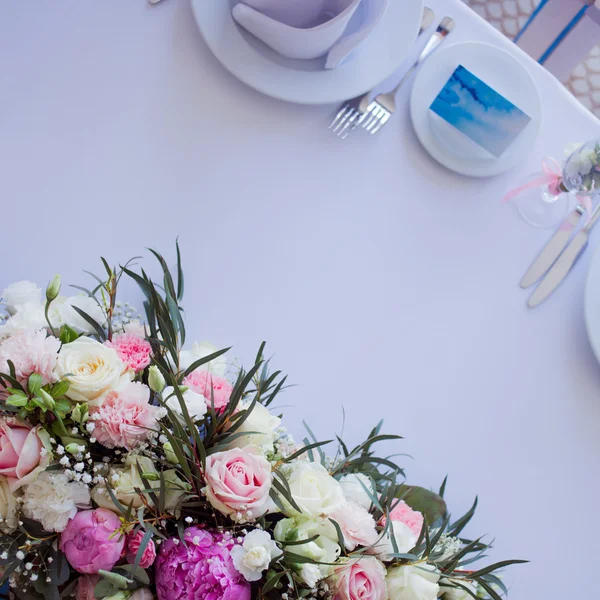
<point x="133" y="545"/>
<point x="20" y="450"/>
<point x="362" y="579"/>
<point x="85" y="587"/>
<point x="90" y="543"/>
<point x="31" y="352"/>
<point x="212" y="387"/>
<point x="126" y="417"/>
<point x="405" y="514"/>
<point x="357" y="525"/>
<point x="238" y="483"/>
<point x="202" y="571"/>
<point x="134" y="351"/>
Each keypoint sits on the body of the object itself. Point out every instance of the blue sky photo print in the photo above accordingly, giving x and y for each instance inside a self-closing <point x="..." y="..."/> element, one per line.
<point x="479" y="112"/>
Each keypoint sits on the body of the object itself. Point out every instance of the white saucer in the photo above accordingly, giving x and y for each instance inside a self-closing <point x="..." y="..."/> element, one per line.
<point x="498" y="69"/>
<point x="306" y="82"/>
<point x="592" y="304"/>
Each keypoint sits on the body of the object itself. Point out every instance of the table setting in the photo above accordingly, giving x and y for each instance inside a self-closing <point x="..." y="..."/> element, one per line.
<point x="392" y="195"/>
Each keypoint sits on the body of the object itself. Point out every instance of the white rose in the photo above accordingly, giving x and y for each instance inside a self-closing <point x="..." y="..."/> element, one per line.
<point x="8" y="507"/>
<point x="403" y="536"/>
<point x="263" y="423"/>
<point x="199" y="350"/>
<point x="413" y="582"/>
<point x="314" y="490"/>
<point x="195" y="403"/>
<point x="69" y="316"/>
<point x="91" y="368"/>
<point x="18" y="294"/>
<point x="255" y="554"/>
<point x="458" y="593"/>
<point x="28" y="317"/>
<point x="353" y="486"/>
<point x="324" y="549"/>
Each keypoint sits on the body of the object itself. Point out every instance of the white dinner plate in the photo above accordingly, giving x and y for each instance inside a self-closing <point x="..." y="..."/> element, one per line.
<point x="500" y="70"/>
<point x="592" y="304"/>
<point x="300" y="81"/>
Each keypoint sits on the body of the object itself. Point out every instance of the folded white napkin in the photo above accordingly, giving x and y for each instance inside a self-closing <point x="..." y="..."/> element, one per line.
<point x="300" y="29"/>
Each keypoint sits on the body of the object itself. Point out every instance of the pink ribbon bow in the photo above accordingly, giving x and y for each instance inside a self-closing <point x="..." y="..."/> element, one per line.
<point x="552" y="177"/>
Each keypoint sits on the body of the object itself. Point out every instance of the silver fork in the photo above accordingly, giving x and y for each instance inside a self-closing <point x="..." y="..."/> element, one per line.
<point x="383" y="106"/>
<point x="348" y="116"/>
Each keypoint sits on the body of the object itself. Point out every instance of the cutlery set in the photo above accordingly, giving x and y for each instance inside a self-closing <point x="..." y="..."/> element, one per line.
<point x="372" y="115"/>
<point x="559" y="255"/>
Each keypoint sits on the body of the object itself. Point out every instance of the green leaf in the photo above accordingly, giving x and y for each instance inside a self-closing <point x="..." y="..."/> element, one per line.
<point x="425" y="501"/>
<point x="67" y="335"/>
<point x="17" y="400"/>
<point x="34" y="383"/>
<point x="306" y="449"/>
<point x="202" y="361"/>
<point x="60" y="389"/>
<point x="95" y="325"/>
<point x="273" y="581"/>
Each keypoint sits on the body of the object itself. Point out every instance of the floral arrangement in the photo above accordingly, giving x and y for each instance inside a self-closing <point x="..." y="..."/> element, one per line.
<point x="132" y="468"/>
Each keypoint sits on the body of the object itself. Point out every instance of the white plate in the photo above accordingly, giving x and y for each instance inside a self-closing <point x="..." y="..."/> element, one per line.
<point x="592" y="304"/>
<point x="498" y="69"/>
<point x="301" y="81"/>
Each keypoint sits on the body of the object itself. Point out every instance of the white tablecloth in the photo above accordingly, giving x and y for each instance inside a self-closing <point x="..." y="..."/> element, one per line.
<point x="382" y="282"/>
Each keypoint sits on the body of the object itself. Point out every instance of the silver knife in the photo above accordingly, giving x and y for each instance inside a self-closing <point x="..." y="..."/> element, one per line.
<point x="563" y="265"/>
<point x="553" y="248"/>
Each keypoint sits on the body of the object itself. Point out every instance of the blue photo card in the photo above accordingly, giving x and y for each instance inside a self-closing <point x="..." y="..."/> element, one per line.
<point x="479" y="112"/>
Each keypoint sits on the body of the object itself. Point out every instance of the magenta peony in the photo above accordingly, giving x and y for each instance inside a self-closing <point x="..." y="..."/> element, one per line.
<point x="202" y="571"/>
<point x="20" y="449"/>
<point x="90" y="541"/>
<point x="134" y="351"/>
<point x="30" y="352"/>
<point x="126" y="417"/>
<point x="238" y="482"/>
<point x="133" y="545"/>
<point x="213" y="388"/>
<point x="405" y="514"/>
<point x="362" y="579"/>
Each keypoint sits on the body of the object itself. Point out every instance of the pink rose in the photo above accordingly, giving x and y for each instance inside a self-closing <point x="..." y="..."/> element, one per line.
<point x="212" y="387"/>
<point x="126" y="417"/>
<point x="134" y="351"/>
<point x="362" y="579"/>
<point x="85" y="587"/>
<point x="20" y="451"/>
<point x="31" y="352"/>
<point x="133" y="545"/>
<point x="357" y="525"/>
<point x="405" y="514"/>
<point x="90" y="543"/>
<point x="238" y="483"/>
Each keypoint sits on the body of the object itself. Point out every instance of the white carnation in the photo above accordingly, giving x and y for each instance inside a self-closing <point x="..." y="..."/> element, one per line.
<point x="16" y="295"/>
<point x="353" y="486"/>
<point x="195" y="403"/>
<point x="29" y="316"/>
<point x="52" y="500"/>
<point x="255" y="554"/>
<point x="199" y="350"/>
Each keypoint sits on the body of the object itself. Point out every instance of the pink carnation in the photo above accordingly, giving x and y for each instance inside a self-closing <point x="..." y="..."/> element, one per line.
<point x="212" y="387"/>
<point x="203" y="570"/>
<point x="405" y="514"/>
<point x="126" y="417"/>
<point x="134" y="541"/>
<point x="31" y="352"/>
<point x="90" y="541"/>
<point x="134" y="351"/>
<point x="357" y="525"/>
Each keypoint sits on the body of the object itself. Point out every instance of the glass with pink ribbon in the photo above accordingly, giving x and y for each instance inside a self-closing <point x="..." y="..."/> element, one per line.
<point x="544" y="198"/>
